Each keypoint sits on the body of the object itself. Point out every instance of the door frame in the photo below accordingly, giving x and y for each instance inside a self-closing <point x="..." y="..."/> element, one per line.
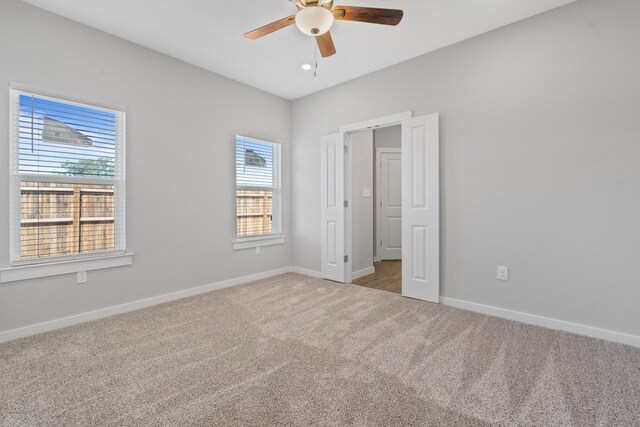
<point x="410" y="128"/>
<point x="378" y="184"/>
<point x="421" y="241"/>
<point x="402" y="119"/>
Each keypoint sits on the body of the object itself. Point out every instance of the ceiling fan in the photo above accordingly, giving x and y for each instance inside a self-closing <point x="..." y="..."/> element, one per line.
<point x="315" y="18"/>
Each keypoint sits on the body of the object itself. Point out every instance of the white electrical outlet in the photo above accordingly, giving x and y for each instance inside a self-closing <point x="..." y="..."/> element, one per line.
<point x="82" y="277"/>
<point x="503" y="273"/>
<point x="257" y="250"/>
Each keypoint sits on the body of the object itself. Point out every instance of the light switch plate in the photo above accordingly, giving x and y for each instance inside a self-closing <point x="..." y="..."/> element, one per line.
<point x="366" y="192"/>
<point x="503" y="273"/>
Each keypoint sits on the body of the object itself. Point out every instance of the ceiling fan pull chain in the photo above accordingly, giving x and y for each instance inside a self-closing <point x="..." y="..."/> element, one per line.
<point x="315" y="61"/>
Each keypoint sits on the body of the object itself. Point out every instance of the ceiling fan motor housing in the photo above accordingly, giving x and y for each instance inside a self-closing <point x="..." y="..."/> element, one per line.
<point x="314" y="20"/>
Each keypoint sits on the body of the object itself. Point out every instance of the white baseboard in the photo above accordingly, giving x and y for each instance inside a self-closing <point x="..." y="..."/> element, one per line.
<point x="361" y="273"/>
<point x="547" y="322"/>
<point x="531" y="319"/>
<point x="306" y="272"/>
<point x="133" y="305"/>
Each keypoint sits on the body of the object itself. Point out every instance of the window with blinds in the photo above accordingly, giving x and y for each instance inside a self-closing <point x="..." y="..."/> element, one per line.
<point x="67" y="179"/>
<point x="257" y="187"/>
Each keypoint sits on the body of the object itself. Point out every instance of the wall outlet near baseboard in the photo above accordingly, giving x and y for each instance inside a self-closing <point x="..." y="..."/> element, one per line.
<point x="503" y="273"/>
<point x="82" y="277"/>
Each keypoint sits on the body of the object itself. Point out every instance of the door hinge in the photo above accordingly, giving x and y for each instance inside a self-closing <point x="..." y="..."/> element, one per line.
<point x="346" y="258"/>
<point x="380" y="242"/>
<point x="346" y="203"/>
<point x="346" y="149"/>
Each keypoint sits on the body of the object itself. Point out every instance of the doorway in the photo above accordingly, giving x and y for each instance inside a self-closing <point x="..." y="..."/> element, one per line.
<point x="373" y="177"/>
<point x="420" y="232"/>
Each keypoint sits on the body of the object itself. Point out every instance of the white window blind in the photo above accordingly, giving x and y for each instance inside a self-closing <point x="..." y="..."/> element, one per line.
<point x="258" y="199"/>
<point x="67" y="179"/>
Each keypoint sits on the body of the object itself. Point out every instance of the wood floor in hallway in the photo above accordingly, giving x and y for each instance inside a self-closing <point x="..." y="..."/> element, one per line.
<point x="388" y="277"/>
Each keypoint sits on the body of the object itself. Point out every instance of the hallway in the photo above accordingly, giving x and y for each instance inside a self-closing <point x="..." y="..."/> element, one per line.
<point x="388" y="277"/>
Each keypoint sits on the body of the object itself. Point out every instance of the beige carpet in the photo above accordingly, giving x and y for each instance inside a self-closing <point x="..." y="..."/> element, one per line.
<point x="298" y="351"/>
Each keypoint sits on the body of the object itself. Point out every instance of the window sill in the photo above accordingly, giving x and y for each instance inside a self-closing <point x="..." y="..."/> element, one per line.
<point x="255" y="242"/>
<point x="34" y="271"/>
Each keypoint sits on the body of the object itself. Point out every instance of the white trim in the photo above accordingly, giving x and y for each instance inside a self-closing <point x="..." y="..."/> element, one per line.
<point x="361" y="273"/>
<point x="130" y="306"/>
<point x="256" y="139"/>
<point x="65" y="179"/>
<point x="120" y="185"/>
<point x="34" y="271"/>
<point x="531" y="319"/>
<point x="545" y="322"/>
<point x="348" y="212"/>
<point x="306" y="272"/>
<point x="403" y="119"/>
<point x="57" y="96"/>
<point x="380" y="122"/>
<point x="14" y="183"/>
<point x="255" y="242"/>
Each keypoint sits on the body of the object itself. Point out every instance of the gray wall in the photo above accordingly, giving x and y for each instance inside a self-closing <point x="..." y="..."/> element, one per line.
<point x="540" y="143"/>
<point x="388" y="137"/>
<point x="540" y="146"/>
<point x="362" y="207"/>
<point x="181" y="122"/>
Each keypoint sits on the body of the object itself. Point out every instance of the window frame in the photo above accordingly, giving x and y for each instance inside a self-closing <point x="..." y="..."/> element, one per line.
<point x="275" y="237"/>
<point x="16" y="178"/>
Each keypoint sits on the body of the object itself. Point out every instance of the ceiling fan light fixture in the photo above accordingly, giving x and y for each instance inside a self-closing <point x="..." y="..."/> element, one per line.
<point x="314" y="20"/>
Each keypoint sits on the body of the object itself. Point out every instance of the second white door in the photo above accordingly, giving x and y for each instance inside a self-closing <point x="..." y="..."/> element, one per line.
<point x="389" y="193"/>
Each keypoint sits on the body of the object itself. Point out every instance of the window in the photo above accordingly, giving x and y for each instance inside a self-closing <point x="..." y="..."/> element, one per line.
<point x="258" y="203"/>
<point x="67" y="180"/>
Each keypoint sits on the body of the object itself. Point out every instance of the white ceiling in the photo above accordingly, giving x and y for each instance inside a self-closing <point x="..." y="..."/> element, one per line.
<point x="208" y="33"/>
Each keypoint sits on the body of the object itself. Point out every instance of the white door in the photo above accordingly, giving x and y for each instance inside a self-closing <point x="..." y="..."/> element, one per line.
<point x="332" y="207"/>
<point x="389" y="194"/>
<point x="421" y="209"/>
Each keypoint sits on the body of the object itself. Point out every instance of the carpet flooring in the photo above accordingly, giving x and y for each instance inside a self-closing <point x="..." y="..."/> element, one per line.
<point x="293" y="350"/>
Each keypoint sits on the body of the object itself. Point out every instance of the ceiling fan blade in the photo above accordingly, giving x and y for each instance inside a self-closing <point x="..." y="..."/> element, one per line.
<point x="368" y="14"/>
<point x="270" y="28"/>
<point x="325" y="44"/>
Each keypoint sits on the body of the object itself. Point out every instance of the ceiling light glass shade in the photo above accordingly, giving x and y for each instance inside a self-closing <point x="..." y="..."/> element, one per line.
<point x="314" y="20"/>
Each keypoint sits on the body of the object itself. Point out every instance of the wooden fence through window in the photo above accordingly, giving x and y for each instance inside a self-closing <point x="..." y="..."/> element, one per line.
<point x="65" y="219"/>
<point x="254" y="212"/>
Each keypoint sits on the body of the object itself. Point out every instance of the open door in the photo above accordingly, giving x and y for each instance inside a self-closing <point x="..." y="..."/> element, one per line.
<point x="421" y="209"/>
<point x="332" y="207"/>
